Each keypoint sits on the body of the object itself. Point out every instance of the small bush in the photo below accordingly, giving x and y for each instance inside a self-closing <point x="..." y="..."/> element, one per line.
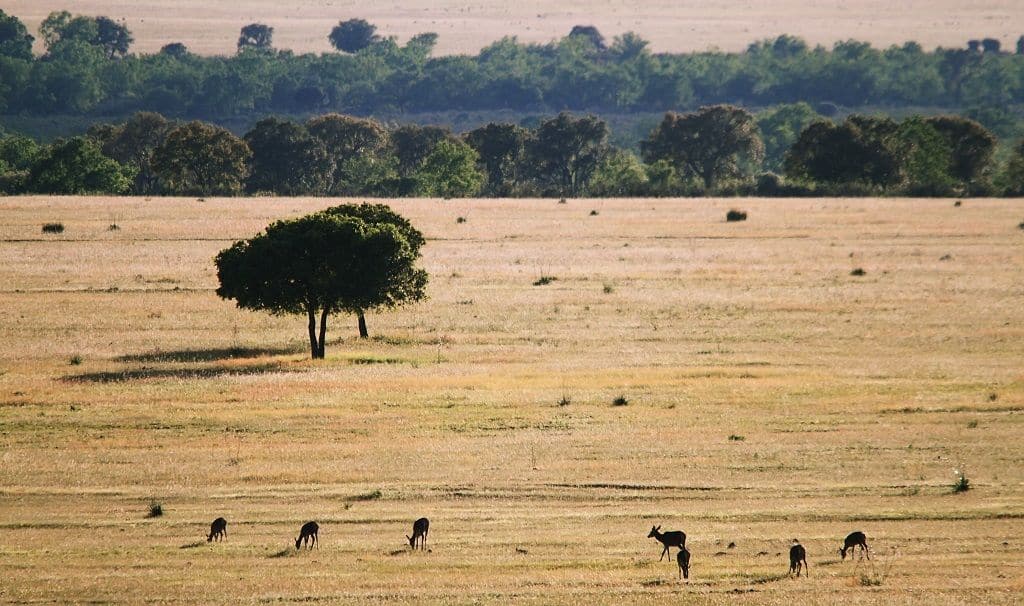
<point x="113" y="227"/>
<point x="957" y="204"/>
<point x="962" y="483"/>
<point x="75" y="360"/>
<point x="1021" y="225"/>
<point x="53" y="228"/>
<point x="946" y="258"/>
<point x="544" y="280"/>
<point x="561" y="201"/>
<point x="621" y="400"/>
<point x="736" y="438"/>
<point x="858" y="272"/>
<point x="992" y="397"/>
<point x="608" y="288"/>
<point x="867" y="580"/>
<point x="368" y="496"/>
<point x="972" y="424"/>
<point x="593" y="213"/>
<point x="460" y="220"/>
<point x="736" y="215"/>
<point x="155" y="510"/>
<point x="565" y="401"/>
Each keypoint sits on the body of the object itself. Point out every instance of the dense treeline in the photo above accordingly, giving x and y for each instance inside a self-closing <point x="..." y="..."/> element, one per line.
<point x="88" y="69"/>
<point x="715" y="150"/>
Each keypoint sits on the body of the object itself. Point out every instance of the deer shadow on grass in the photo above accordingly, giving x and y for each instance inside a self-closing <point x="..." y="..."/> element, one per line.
<point x="145" y="372"/>
<point x="213" y="354"/>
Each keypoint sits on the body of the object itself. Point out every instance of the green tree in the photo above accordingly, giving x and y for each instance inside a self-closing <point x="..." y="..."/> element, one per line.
<point x="449" y="172"/>
<point x="853" y="152"/>
<point x="317" y="265"/>
<point x="714" y="143"/>
<point x="132" y="144"/>
<point x="1011" y="178"/>
<point x="355" y="149"/>
<point x="286" y="159"/>
<point x="76" y="166"/>
<point x="924" y="156"/>
<point x="404" y="287"/>
<point x="202" y="159"/>
<point x="971" y="146"/>
<point x="113" y="37"/>
<point x="353" y="35"/>
<point x="620" y="174"/>
<point x="502" y="151"/>
<point x="256" y="36"/>
<point x="565" y="151"/>
<point x="412" y="144"/>
<point x="779" y="128"/>
<point x="15" y="41"/>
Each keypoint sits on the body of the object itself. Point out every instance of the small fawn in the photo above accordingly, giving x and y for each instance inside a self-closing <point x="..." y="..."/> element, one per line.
<point x="307" y="535"/>
<point x="683" y="559"/>
<point x="420" y="528"/>
<point x="673" y="538"/>
<point x="218" y="530"/>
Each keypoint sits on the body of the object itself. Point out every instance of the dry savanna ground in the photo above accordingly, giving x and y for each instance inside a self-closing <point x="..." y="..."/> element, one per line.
<point x="671" y="25"/>
<point x="771" y="395"/>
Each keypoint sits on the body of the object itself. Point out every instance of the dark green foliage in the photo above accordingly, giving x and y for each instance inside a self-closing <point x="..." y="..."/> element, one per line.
<point x="736" y="215"/>
<point x="113" y="37"/>
<point x="174" y="49"/>
<point x="847" y="153"/>
<point x="412" y="143"/>
<point x="970" y="145"/>
<point x="779" y="128"/>
<point x="76" y="167"/>
<point x="565" y="152"/>
<point x="53" y="228"/>
<point x="132" y="144"/>
<point x="353" y="35"/>
<point x="712" y="144"/>
<point x="620" y="174"/>
<point x="356" y="151"/>
<point x="620" y="400"/>
<point x="328" y="262"/>
<point x="155" y="510"/>
<point x="15" y="41"/>
<point x="502" y="152"/>
<point x="858" y="272"/>
<point x="256" y="36"/>
<point x="286" y="159"/>
<point x="591" y="34"/>
<point x="201" y="159"/>
<point x="544" y="280"/>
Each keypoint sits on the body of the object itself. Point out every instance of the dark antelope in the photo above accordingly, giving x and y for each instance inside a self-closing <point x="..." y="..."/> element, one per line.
<point x="683" y="559"/>
<point x="420" y="528"/>
<point x="307" y="535"/>
<point x="798" y="559"/>
<point x="218" y="530"/>
<point x="674" y="538"/>
<point x="854" y="540"/>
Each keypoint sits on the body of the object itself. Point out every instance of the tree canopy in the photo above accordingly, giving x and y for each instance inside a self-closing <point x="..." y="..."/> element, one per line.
<point x="202" y="159"/>
<point x="330" y="262"/>
<point x="353" y="35"/>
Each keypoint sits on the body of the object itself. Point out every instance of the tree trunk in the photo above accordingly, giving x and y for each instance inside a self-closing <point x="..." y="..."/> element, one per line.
<point x="313" y="345"/>
<point x="363" y="333"/>
<point x="323" y="333"/>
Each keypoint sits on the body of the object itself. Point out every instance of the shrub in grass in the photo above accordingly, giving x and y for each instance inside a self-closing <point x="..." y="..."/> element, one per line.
<point x="75" y="360"/>
<point x="113" y="227"/>
<point x="155" y="510"/>
<point x="957" y="204"/>
<point x="736" y="438"/>
<point x="544" y="280"/>
<point x="593" y="213"/>
<point x="53" y="228"/>
<point x="608" y="288"/>
<point x="565" y="401"/>
<point x="621" y="400"/>
<point x="962" y="483"/>
<point x="858" y="272"/>
<point x="736" y="215"/>
<point x="460" y="220"/>
<point x="1021" y="225"/>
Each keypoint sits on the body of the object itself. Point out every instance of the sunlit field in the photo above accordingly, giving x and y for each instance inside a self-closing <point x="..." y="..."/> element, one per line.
<point x="770" y="396"/>
<point x="465" y="27"/>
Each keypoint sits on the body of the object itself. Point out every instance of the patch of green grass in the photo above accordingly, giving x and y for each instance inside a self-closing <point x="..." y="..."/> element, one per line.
<point x="736" y="438"/>
<point x="544" y="280"/>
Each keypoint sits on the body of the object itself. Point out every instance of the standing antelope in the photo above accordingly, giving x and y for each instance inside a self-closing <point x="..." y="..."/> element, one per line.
<point x="218" y="530"/>
<point x="798" y="559"/>
<point x="854" y="540"/>
<point x="307" y="535"/>
<point x="420" y="528"/>
<point x="683" y="559"/>
<point x="674" y="538"/>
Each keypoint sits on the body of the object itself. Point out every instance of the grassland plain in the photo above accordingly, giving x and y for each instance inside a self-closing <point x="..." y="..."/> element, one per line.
<point x="771" y="395"/>
<point x="466" y="27"/>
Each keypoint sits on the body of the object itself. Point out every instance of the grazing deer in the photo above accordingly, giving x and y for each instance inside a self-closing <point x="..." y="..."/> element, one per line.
<point x="420" y="528"/>
<point x="218" y="530"/>
<point x="798" y="559"/>
<point x="854" y="540"/>
<point x="683" y="559"/>
<point x="307" y="535"/>
<point x="674" y="538"/>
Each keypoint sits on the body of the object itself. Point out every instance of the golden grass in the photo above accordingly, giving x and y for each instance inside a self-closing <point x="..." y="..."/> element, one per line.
<point x="670" y="25"/>
<point x="855" y="398"/>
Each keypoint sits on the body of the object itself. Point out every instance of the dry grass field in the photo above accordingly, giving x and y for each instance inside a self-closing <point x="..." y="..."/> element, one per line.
<point x="771" y="395"/>
<point x="671" y="25"/>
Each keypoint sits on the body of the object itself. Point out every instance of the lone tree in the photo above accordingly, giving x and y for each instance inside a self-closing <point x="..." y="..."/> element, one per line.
<point x="353" y="35"/>
<point x="256" y="35"/>
<point x="333" y="261"/>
